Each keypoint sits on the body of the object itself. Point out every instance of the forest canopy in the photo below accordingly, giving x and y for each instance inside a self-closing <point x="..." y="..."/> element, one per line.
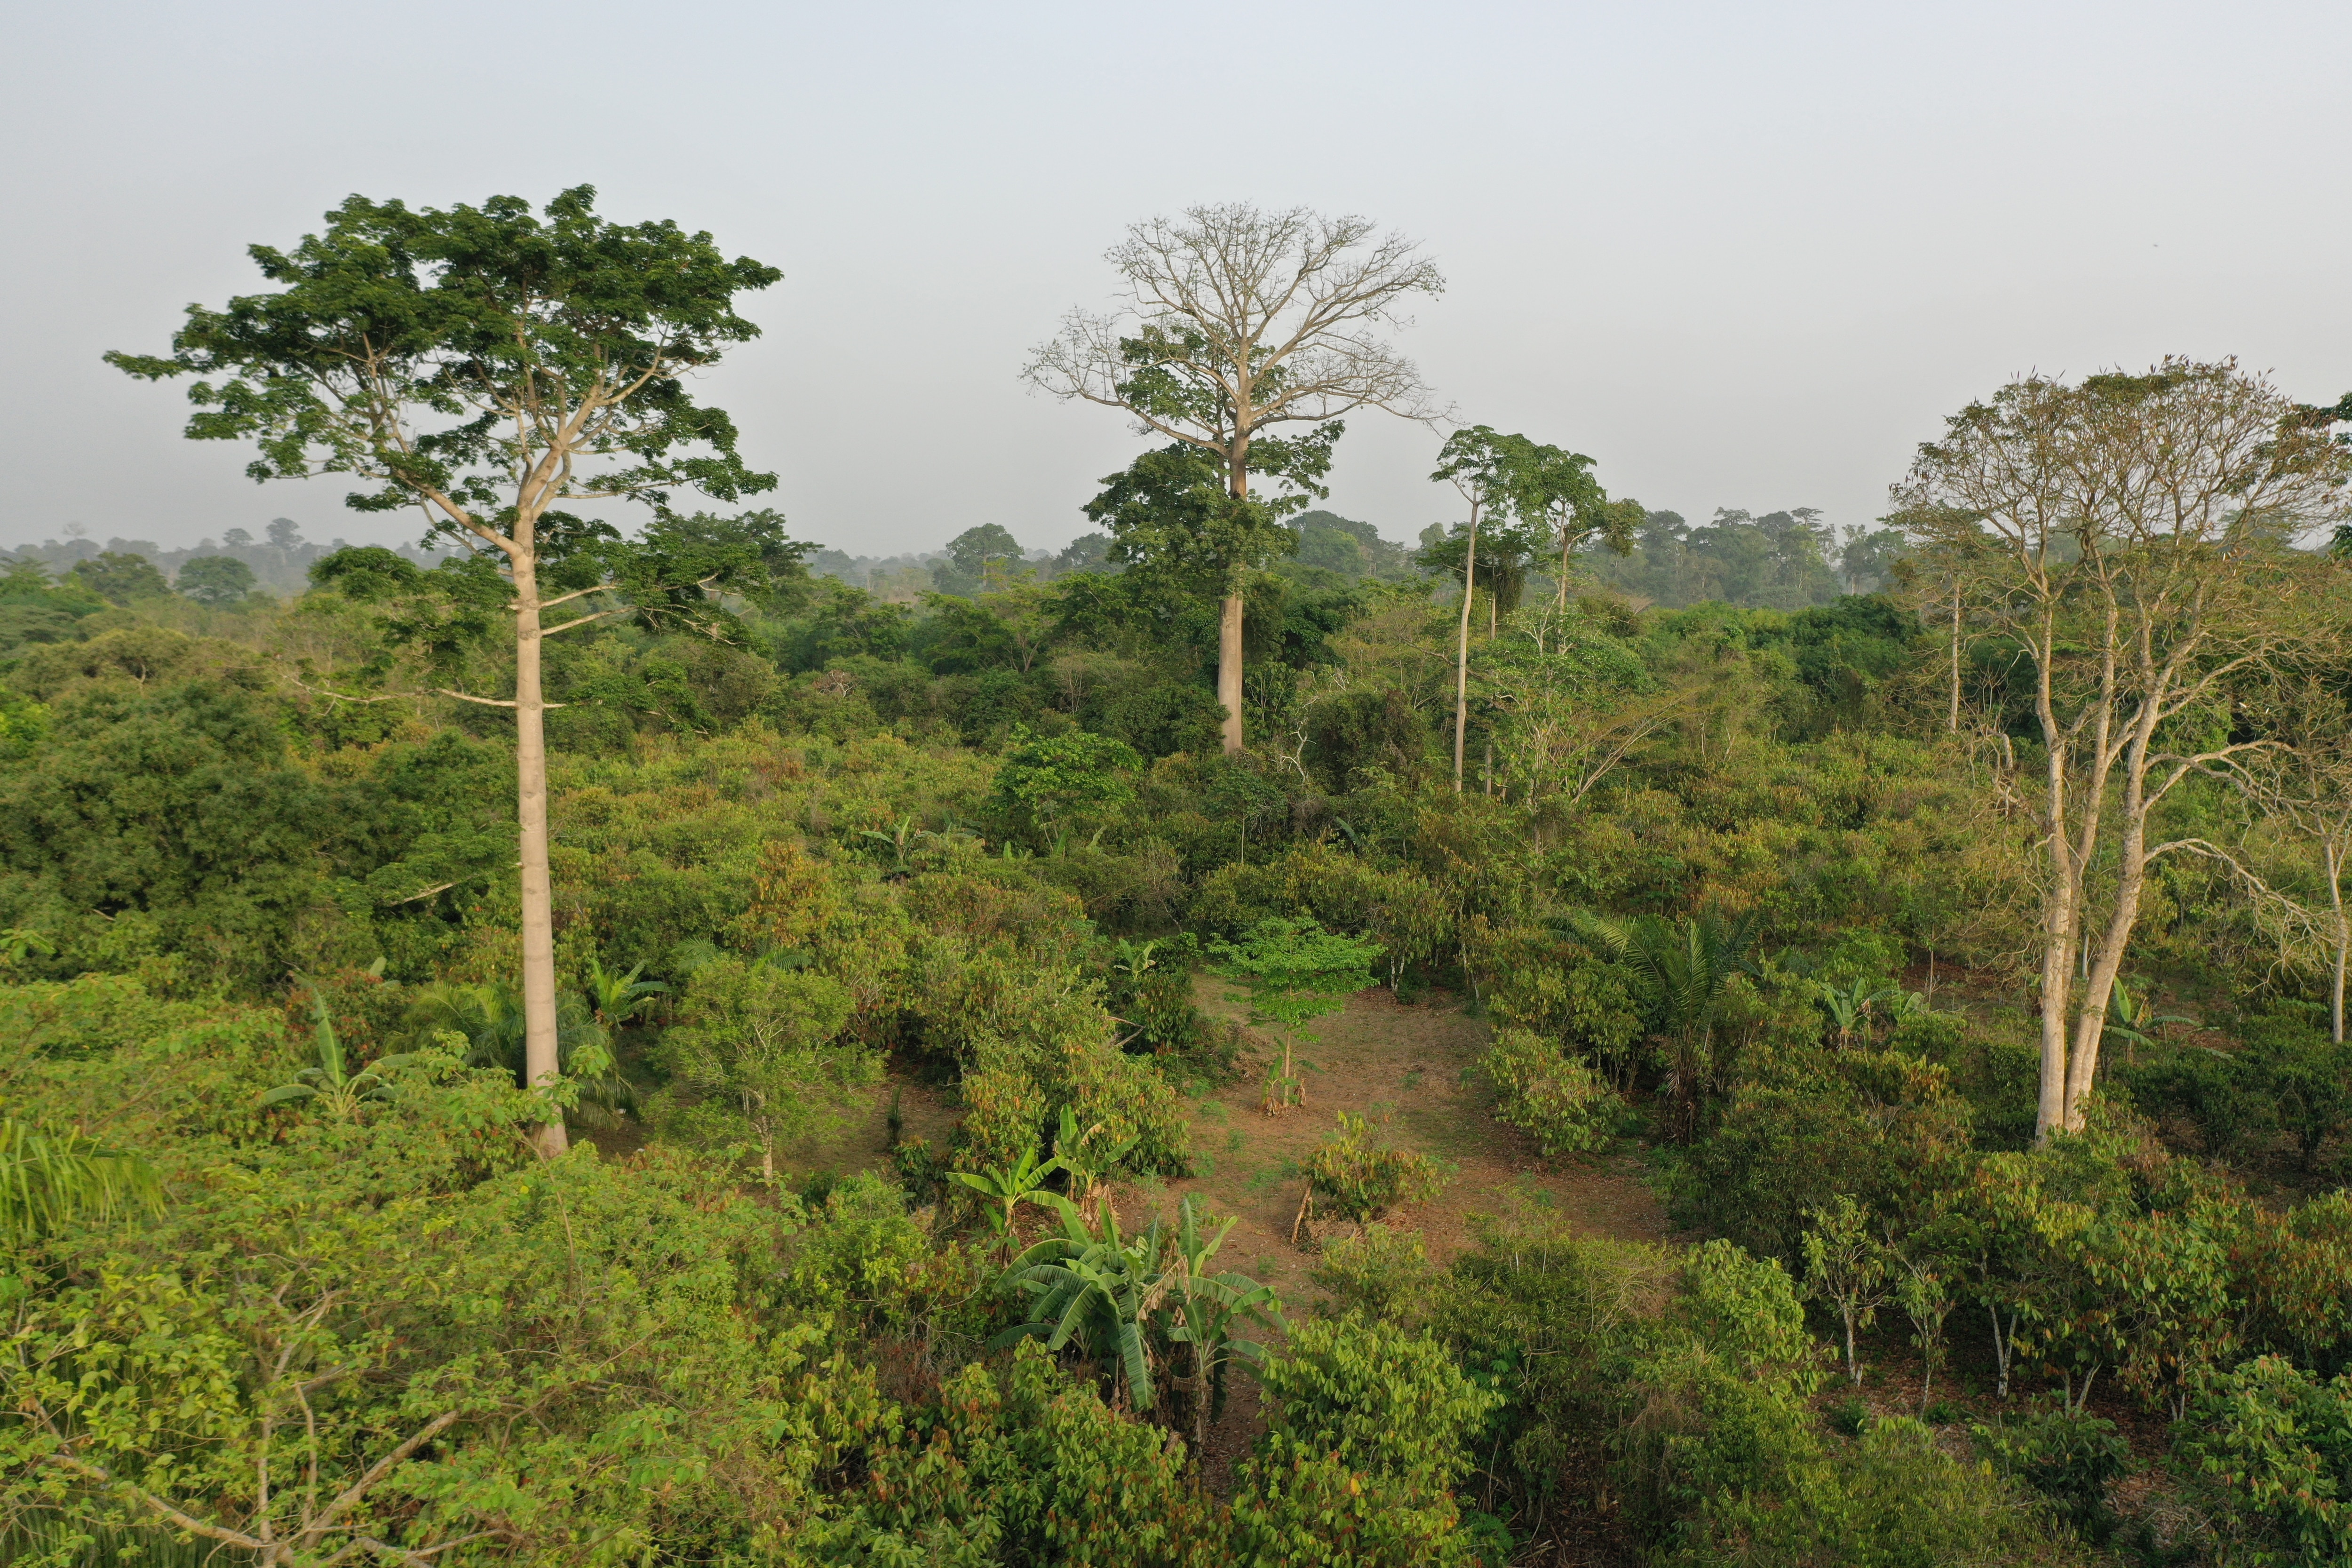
<point x="1594" y="1040"/>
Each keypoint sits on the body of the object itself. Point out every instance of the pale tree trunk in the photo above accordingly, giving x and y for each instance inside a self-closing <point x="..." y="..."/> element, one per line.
<point x="2061" y="911"/>
<point x="1229" y="669"/>
<point x="538" y="1050"/>
<point x="2335" y="853"/>
<point x="2131" y="880"/>
<point x="1462" y="654"/>
<point x="1229" y="615"/>
<point x="1953" y="722"/>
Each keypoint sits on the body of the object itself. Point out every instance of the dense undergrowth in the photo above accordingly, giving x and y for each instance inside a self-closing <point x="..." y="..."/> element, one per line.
<point x="1724" y="886"/>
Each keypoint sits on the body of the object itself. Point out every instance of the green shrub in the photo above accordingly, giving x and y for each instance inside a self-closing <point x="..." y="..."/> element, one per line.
<point x="1539" y="1089"/>
<point x="2268" y="1449"/>
<point x="1384" y="1274"/>
<point x="2069" y="1456"/>
<point x="1376" y="1398"/>
<point x="1359" y="1179"/>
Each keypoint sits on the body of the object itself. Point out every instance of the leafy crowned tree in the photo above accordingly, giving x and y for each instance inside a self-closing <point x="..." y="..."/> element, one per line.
<point x="215" y="580"/>
<point x="976" y="554"/>
<point x="1234" y="323"/>
<point x="121" y="578"/>
<point x="488" y="367"/>
<point x="1297" y="973"/>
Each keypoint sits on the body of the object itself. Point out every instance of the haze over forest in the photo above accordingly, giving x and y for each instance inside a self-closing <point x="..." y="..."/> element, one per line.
<point x="1009" y="827"/>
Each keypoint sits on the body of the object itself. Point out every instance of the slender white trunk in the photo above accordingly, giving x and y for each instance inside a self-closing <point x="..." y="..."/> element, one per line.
<point x="538" y="1051"/>
<point x="2342" y="940"/>
<point x="1953" y="722"/>
<point x="1461" y="653"/>
<point x="1229" y="669"/>
<point x="1229" y="616"/>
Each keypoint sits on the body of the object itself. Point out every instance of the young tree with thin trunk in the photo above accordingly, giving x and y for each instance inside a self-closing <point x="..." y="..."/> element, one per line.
<point x="1232" y="323"/>
<point x="488" y="367"/>
<point x="1554" y="490"/>
<point x="2127" y="536"/>
<point x="2302" y="785"/>
<point x="1483" y="465"/>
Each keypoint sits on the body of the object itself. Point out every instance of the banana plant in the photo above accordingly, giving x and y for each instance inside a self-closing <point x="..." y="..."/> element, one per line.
<point x="903" y="834"/>
<point x="617" y="998"/>
<point x="2133" y="1019"/>
<point x="1008" y="1187"/>
<point x="1132" y="959"/>
<point x="1204" y="1310"/>
<point x="331" y="1086"/>
<point x="1087" y="1166"/>
<point x="1095" y="1287"/>
<point x="1851" y="1009"/>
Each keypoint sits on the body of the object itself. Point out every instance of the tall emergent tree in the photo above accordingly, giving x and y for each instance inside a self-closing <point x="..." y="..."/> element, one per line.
<point x="2128" y="537"/>
<point x="486" y="366"/>
<point x="1232" y="322"/>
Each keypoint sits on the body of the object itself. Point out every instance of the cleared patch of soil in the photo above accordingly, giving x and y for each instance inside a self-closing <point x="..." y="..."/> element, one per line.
<point x="1412" y="1072"/>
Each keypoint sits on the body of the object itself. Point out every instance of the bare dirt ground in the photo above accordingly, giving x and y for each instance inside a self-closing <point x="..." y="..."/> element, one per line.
<point x="1410" y="1070"/>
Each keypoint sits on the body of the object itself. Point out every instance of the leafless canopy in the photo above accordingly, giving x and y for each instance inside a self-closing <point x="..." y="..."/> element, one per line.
<point x="1251" y="319"/>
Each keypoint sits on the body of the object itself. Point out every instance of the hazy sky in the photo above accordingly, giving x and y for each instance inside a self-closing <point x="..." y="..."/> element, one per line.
<point x="1744" y="255"/>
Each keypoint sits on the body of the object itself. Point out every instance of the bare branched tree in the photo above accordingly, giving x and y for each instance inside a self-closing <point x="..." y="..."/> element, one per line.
<point x="2130" y="536"/>
<point x="1231" y="323"/>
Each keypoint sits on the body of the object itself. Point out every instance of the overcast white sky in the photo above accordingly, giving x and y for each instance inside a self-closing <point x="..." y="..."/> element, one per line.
<point x="1744" y="255"/>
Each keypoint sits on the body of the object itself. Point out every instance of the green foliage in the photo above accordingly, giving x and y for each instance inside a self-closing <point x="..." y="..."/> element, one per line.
<point x="2068" y="1457"/>
<point x="1850" y="1268"/>
<point x="2268" y="1448"/>
<point x="1049" y="779"/>
<point x="459" y="308"/>
<point x="1360" y="1179"/>
<point x="1540" y="1089"/>
<point x="1297" y="972"/>
<point x="758" y="1049"/>
<point x="48" y="1178"/>
<point x="1022" y="1465"/>
<point x="120" y="579"/>
<point x="216" y="580"/>
<point x="1383" y="1401"/>
<point x="1380" y="1272"/>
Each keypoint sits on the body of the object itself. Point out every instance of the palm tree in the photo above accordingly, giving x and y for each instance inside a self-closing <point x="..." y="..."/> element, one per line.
<point x="47" y="1178"/>
<point x="618" y="998"/>
<point x="1679" y="971"/>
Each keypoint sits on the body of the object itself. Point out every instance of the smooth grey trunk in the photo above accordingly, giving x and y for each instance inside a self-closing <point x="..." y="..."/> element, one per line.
<point x="540" y="1064"/>
<point x="1953" y="722"/>
<point x="1229" y="669"/>
<point x="2335" y="853"/>
<point x="1461" y="652"/>
<point x="1229" y="615"/>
